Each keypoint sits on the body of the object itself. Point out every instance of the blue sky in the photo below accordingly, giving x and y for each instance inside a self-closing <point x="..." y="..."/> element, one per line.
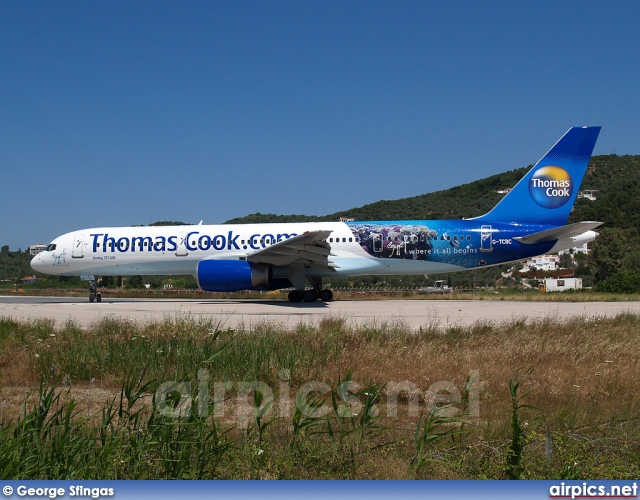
<point x="121" y="113"/>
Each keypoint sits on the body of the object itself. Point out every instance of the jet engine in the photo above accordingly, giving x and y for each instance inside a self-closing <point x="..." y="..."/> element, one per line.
<point x="234" y="275"/>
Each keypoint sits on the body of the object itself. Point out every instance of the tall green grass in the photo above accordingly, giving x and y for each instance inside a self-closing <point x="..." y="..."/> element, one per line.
<point x="53" y="440"/>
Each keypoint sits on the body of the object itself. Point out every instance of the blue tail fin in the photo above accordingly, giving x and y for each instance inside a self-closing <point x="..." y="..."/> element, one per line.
<point x="546" y="194"/>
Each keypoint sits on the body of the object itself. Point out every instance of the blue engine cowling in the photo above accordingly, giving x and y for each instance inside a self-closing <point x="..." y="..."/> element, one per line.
<point x="234" y="275"/>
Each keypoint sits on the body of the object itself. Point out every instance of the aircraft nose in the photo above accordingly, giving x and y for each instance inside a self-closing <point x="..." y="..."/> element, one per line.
<point x="37" y="263"/>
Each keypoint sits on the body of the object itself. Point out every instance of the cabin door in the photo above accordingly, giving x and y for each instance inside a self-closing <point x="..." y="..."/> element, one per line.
<point x="182" y="245"/>
<point x="486" y="241"/>
<point x="78" y="246"/>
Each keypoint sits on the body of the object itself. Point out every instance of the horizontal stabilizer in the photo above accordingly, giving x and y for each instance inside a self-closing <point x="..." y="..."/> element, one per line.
<point x="558" y="232"/>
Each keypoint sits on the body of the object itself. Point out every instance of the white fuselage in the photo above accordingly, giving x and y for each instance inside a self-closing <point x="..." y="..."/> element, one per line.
<point x="174" y="250"/>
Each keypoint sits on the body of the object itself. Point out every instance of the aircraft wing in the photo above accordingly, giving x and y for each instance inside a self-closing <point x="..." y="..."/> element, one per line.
<point x="309" y="249"/>
<point x="558" y="232"/>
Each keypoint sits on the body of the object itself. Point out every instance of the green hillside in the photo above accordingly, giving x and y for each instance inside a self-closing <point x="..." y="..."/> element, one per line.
<point x="617" y="179"/>
<point x="467" y="200"/>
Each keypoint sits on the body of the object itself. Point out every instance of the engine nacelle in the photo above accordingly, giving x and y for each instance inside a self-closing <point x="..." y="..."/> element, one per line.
<point x="233" y="275"/>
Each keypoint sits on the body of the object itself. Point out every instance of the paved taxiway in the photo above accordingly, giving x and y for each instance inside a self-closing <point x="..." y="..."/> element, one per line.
<point x="234" y="313"/>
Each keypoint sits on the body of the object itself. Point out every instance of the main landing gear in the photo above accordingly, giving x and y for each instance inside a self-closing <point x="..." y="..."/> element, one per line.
<point x="94" y="294"/>
<point x="312" y="294"/>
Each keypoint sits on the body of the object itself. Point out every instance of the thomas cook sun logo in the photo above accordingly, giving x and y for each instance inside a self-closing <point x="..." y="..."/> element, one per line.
<point x="551" y="186"/>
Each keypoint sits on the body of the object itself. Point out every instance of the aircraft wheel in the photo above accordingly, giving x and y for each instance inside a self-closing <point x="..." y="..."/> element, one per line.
<point x="295" y="296"/>
<point x="326" y="295"/>
<point x="91" y="297"/>
<point x="99" y="298"/>
<point x="310" y="295"/>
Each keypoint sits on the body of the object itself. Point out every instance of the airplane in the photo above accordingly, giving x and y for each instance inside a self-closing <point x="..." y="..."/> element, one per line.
<point x="530" y="220"/>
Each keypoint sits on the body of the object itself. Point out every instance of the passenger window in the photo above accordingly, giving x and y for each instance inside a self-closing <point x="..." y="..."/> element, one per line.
<point x="350" y="240"/>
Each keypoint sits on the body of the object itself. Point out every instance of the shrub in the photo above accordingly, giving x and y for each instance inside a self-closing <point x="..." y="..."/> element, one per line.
<point x="622" y="282"/>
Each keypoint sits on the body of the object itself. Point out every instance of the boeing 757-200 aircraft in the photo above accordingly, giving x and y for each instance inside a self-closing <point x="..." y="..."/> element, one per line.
<point x="530" y="220"/>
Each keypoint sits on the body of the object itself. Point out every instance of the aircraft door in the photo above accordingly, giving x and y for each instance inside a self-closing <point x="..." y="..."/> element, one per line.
<point x="78" y="246"/>
<point x="486" y="243"/>
<point x="182" y="245"/>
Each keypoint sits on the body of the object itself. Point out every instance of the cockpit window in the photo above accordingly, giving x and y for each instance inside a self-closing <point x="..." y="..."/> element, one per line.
<point x="51" y="247"/>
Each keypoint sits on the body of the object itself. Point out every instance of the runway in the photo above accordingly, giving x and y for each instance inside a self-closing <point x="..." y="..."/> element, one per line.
<point x="249" y="313"/>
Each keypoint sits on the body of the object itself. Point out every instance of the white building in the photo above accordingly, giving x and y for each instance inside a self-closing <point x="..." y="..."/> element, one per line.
<point x="581" y="249"/>
<point x="589" y="194"/>
<point x="560" y="284"/>
<point x="36" y="249"/>
<point x="542" y="263"/>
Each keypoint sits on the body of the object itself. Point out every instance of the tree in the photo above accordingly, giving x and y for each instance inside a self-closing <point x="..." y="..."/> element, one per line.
<point x="5" y="249"/>
<point x="169" y="223"/>
<point x="612" y="252"/>
<point x="566" y="261"/>
<point x="622" y="282"/>
<point x="135" y="282"/>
